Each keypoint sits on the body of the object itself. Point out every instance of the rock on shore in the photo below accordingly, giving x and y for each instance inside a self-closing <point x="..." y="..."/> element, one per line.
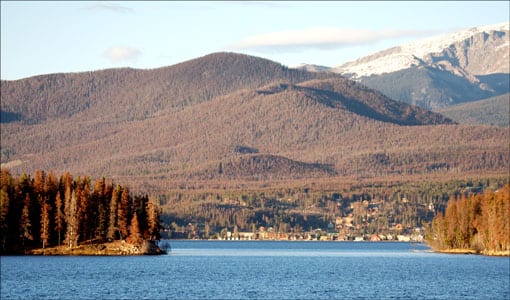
<point x="114" y="248"/>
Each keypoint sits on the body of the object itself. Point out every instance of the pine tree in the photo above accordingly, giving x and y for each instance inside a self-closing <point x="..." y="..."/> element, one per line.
<point x="67" y="181"/>
<point x="83" y="197"/>
<point x="123" y="213"/>
<point x="59" y="217"/>
<point x="152" y="220"/>
<point x="140" y="207"/>
<point x="51" y="184"/>
<point x="72" y="222"/>
<point x="102" y="216"/>
<point x="39" y="182"/>
<point x="134" y="237"/>
<point x="451" y="219"/>
<point x="112" y="222"/>
<point x="504" y="197"/>
<point x="45" y="223"/>
<point x="25" y="223"/>
<point x="5" y="205"/>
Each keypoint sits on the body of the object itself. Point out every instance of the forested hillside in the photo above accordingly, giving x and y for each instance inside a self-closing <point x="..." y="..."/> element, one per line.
<point x="119" y="95"/>
<point x="231" y="117"/>
<point x="431" y="88"/>
<point x="492" y="111"/>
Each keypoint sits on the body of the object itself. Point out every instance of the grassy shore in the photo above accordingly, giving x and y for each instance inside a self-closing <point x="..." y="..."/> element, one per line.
<point x="473" y="251"/>
<point x="114" y="248"/>
<point x="496" y="253"/>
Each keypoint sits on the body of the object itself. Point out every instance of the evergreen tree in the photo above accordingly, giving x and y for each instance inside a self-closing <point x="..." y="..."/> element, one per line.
<point x="67" y="181"/>
<point x="72" y="222"/>
<point x="25" y="223"/>
<point x="101" y="210"/>
<point x="83" y="213"/>
<point x="152" y="220"/>
<point x="135" y="236"/>
<point x="140" y="207"/>
<point x="112" y="223"/>
<point x="51" y="185"/>
<point x="5" y="184"/>
<point x="45" y="223"/>
<point x="39" y="182"/>
<point x="59" y="217"/>
<point x="451" y="219"/>
<point x="123" y="213"/>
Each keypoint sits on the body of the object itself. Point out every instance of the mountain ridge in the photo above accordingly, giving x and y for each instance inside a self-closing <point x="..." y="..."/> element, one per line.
<point x="189" y="82"/>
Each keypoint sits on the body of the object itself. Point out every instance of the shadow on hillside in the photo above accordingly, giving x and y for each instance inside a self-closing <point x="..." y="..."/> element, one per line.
<point x="499" y="82"/>
<point x="9" y="117"/>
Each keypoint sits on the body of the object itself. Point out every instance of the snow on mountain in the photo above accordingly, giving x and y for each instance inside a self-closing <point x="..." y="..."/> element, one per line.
<point x="414" y="53"/>
<point x="311" y="68"/>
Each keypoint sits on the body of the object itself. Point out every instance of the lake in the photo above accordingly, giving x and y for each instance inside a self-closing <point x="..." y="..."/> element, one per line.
<point x="261" y="270"/>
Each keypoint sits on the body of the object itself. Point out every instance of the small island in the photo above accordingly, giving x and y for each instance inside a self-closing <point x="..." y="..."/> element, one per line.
<point x="46" y="215"/>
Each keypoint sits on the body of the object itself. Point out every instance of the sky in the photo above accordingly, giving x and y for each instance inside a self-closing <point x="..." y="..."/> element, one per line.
<point x="55" y="37"/>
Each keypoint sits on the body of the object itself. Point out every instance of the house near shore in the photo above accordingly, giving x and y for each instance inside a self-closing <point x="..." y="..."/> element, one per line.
<point x="247" y="236"/>
<point x="375" y="238"/>
<point x="403" y="238"/>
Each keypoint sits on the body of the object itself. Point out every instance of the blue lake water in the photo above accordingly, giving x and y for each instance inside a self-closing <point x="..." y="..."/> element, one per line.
<point x="261" y="270"/>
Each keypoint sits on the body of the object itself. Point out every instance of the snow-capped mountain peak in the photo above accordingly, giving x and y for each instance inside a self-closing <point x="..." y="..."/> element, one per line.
<point x="415" y="53"/>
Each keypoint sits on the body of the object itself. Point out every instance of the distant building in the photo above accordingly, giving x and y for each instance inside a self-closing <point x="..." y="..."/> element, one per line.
<point x="375" y="238"/>
<point x="403" y="238"/>
<point x="247" y="236"/>
<point x="331" y="227"/>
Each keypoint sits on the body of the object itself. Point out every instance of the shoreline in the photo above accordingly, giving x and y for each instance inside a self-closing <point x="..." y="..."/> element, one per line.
<point x="122" y="248"/>
<point x="474" y="252"/>
<point x="114" y="248"/>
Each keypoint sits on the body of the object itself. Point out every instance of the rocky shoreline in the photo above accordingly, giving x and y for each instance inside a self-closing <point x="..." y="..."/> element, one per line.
<point x="114" y="248"/>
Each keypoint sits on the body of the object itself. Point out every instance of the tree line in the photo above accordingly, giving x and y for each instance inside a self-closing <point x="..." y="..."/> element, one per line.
<point x="479" y="222"/>
<point x="46" y="211"/>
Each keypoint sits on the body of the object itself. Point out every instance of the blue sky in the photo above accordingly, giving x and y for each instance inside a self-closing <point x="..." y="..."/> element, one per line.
<point x="53" y="37"/>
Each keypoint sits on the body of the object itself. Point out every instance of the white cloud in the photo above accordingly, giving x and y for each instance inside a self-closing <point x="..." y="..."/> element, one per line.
<point x="263" y="4"/>
<point x="113" y="7"/>
<point x="121" y="54"/>
<point x="320" y="38"/>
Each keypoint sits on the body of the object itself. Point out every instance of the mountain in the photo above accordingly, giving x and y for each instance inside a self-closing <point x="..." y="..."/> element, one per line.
<point x="230" y="117"/>
<point x="459" y="49"/>
<point x="312" y="68"/>
<point x="129" y="94"/>
<point x="492" y="111"/>
<point x="437" y="72"/>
